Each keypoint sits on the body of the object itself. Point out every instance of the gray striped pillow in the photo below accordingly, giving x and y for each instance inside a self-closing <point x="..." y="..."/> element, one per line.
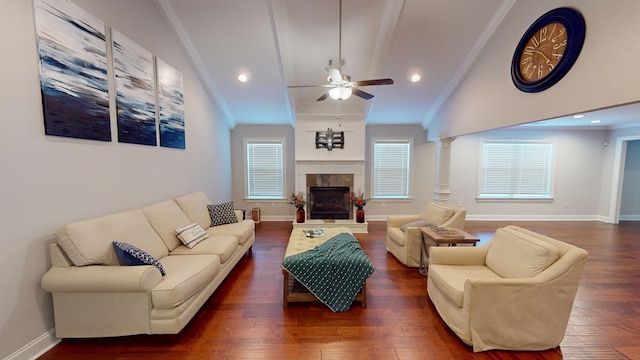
<point x="191" y="235"/>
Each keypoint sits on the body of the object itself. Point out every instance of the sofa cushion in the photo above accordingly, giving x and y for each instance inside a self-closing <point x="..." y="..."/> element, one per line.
<point x="221" y="214"/>
<point x="186" y="275"/>
<point x="195" y="206"/>
<point x="89" y="242"/>
<point x="243" y="230"/>
<point x="131" y="255"/>
<point x="223" y="246"/>
<point x="514" y="254"/>
<point x="191" y="235"/>
<point x="436" y="214"/>
<point x="450" y="279"/>
<point x="165" y="217"/>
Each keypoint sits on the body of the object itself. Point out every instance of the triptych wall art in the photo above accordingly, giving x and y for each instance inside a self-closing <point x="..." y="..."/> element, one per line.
<point x="74" y="81"/>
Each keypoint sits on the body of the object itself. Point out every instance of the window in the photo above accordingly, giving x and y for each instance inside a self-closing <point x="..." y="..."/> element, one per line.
<point x="516" y="170"/>
<point x="265" y="169"/>
<point x="391" y="169"/>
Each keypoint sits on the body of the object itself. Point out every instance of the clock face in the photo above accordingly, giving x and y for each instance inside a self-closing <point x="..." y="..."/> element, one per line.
<point x="543" y="52"/>
<point x="548" y="50"/>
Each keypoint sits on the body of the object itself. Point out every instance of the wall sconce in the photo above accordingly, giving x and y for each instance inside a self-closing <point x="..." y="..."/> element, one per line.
<point x="330" y="139"/>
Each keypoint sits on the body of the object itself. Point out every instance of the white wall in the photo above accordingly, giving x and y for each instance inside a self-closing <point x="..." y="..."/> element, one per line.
<point x="604" y="75"/>
<point x="630" y="204"/>
<point x="579" y="161"/>
<point x="423" y="160"/>
<point x="269" y="209"/>
<point x="48" y="181"/>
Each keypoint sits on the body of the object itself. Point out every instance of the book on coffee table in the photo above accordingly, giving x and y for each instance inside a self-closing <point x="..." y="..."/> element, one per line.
<point x="312" y="233"/>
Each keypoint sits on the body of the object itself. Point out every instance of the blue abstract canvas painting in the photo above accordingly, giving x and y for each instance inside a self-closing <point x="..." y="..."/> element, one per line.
<point x="171" y="104"/>
<point x="73" y="71"/>
<point x="135" y="91"/>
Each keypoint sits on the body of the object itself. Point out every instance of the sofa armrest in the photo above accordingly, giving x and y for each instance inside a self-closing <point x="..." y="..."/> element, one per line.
<point x="459" y="255"/>
<point x="397" y="221"/>
<point x="540" y="318"/>
<point x="239" y="214"/>
<point x="101" y="278"/>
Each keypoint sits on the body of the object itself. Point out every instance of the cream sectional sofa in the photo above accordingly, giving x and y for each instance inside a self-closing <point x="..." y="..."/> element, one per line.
<point x="515" y="292"/>
<point x="94" y="295"/>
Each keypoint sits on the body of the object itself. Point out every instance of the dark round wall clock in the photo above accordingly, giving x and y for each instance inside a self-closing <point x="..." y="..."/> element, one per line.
<point x="548" y="49"/>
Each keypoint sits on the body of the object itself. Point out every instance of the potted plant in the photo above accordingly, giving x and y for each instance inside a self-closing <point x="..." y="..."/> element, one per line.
<point x="298" y="201"/>
<point x="359" y="201"/>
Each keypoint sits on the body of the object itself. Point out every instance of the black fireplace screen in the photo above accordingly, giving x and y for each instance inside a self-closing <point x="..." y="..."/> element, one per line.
<point x="329" y="202"/>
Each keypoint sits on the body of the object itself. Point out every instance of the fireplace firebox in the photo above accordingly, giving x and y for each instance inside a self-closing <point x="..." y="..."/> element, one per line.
<point x="329" y="202"/>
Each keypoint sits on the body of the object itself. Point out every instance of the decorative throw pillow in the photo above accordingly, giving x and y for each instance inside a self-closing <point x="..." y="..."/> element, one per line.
<point x="419" y="223"/>
<point x="131" y="255"/>
<point x="191" y="235"/>
<point x="222" y="213"/>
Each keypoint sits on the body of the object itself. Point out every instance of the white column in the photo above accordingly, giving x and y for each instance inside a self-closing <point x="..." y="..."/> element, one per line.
<point x="441" y="190"/>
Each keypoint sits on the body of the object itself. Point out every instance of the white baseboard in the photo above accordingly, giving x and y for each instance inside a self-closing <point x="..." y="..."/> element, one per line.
<point x="37" y="347"/>
<point x="370" y="218"/>
<point x="630" y="217"/>
<point x="534" y="217"/>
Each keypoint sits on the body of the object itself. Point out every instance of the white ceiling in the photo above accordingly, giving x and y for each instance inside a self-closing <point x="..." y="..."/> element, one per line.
<point x="290" y="42"/>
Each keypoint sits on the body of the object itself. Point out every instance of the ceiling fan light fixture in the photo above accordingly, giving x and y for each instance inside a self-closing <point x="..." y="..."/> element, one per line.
<point x="340" y="93"/>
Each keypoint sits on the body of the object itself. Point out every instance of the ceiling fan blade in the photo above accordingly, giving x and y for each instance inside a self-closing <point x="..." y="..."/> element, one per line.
<point x="323" y="97"/>
<point x="362" y="94"/>
<point x="305" y="86"/>
<point x="373" y="82"/>
<point x="334" y="74"/>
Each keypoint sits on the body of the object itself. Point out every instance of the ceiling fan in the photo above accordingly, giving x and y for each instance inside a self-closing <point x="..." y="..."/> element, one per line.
<point x="340" y="85"/>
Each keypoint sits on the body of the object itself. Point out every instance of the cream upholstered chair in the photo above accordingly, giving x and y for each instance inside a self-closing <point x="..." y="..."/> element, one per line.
<point x="403" y="235"/>
<point x="515" y="292"/>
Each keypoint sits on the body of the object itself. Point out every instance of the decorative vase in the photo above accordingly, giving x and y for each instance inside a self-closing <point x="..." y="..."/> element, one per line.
<point x="360" y="215"/>
<point x="300" y="216"/>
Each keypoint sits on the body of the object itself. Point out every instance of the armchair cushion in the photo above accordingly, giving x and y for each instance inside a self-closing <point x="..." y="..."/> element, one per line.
<point x="518" y="255"/>
<point x="436" y="214"/>
<point x="450" y="279"/>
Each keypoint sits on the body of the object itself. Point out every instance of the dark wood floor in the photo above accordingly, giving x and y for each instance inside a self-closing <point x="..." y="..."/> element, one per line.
<point x="244" y="318"/>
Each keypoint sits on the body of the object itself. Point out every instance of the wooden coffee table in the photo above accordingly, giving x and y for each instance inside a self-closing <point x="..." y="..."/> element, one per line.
<point x="432" y="238"/>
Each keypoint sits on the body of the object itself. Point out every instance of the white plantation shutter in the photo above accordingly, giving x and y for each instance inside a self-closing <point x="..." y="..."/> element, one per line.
<point x="265" y="170"/>
<point x="391" y="169"/>
<point x="516" y="169"/>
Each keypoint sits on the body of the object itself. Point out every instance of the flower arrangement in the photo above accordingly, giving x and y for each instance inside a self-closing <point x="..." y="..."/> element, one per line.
<point x="297" y="200"/>
<point x="358" y="201"/>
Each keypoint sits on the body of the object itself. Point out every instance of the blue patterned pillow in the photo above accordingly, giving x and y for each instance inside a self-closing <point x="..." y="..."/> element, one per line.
<point x="131" y="255"/>
<point x="222" y="213"/>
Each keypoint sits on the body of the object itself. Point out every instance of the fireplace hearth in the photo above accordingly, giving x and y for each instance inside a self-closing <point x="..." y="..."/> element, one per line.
<point x="329" y="202"/>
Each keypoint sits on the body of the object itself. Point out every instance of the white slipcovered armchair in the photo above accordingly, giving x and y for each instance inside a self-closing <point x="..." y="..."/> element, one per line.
<point x="515" y="292"/>
<point x="403" y="235"/>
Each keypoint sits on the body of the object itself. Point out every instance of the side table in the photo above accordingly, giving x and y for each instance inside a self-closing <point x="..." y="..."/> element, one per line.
<point x="431" y="238"/>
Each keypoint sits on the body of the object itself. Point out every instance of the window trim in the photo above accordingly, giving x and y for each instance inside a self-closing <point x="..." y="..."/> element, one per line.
<point x="522" y="199"/>
<point x="402" y="140"/>
<point x="276" y="140"/>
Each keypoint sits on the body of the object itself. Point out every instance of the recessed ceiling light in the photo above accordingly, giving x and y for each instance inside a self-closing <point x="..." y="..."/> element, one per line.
<point x="595" y="121"/>
<point x="579" y="116"/>
<point x="415" y="78"/>
<point x="242" y="78"/>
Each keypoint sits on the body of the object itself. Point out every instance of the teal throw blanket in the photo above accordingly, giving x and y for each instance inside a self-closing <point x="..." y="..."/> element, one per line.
<point x="334" y="271"/>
